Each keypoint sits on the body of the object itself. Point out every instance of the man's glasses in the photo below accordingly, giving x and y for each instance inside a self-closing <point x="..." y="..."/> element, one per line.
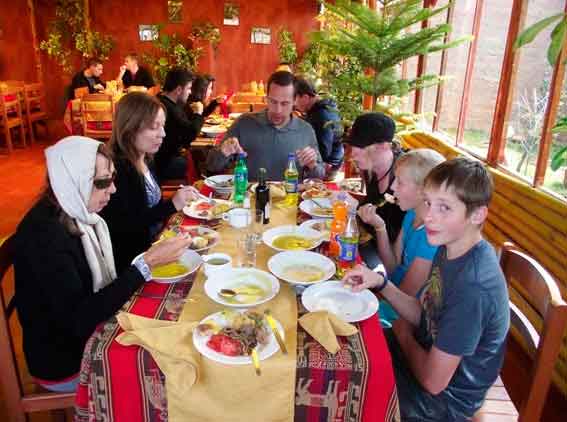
<point x="104" y="183"/>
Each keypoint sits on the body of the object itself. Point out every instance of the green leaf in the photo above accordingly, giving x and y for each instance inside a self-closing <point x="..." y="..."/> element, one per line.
<point x="557" y="37"/>
<point x="529" y="34"/>
<point x="560" y="125"/>
<point x="559" y="159"/>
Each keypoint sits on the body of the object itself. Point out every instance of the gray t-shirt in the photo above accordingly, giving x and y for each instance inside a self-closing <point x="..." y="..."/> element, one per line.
<point x="466" y="313"/>
<point x="268" y="146"/>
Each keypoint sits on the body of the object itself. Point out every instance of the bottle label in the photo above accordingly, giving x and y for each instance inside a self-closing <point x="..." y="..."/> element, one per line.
<point x="291" y="185"/>
<point x="267" y="211"/>
<point x="347" y="251"/>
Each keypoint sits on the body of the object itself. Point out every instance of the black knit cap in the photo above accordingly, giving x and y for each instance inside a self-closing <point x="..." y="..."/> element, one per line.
<point x="371" y="128"/>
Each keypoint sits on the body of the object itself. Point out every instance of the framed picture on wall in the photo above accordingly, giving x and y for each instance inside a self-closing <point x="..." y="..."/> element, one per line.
<point x="231" y="14"/>
<point x="174" y="11"/>
<point x="261" y="36"/>
<point x="148" y="32"/>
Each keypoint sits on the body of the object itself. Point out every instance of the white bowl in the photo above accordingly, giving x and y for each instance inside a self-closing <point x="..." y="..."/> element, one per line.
<point x="278" y="264"/>
<point x="191" y="259"/>
<point x="269" y="235"/>
<point x="213" y="131"/>
<point x="311" y="208"/>
<point x="220" y="178"/>
<point x="232" y="278"/>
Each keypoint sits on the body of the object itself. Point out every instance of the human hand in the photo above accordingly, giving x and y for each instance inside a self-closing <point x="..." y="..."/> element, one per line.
<point x="183" y="195"/>
<point x="307" y="157"/>
<point x="361" y="277"/>
<point x="99" y="87"/>
<point x="351" y="202"/>
<point x="231" y="146"/>
<point x="367" y="213"/>
<point x="197" y="107"/>
<point x="167" y="250"/>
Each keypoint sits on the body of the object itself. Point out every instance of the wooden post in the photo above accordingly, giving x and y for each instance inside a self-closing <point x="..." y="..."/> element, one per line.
<point x="469" y="71"/>
<point x="508" y="75"/>
<point x="368" y="100"/>
<point x="87" y="19"/>
<point x="37" y="55"/>
<point x="421" y="67"/>
<point x="443" y="70"/>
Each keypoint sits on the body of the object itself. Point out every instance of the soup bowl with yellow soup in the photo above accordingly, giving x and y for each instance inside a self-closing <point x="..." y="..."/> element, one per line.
<point x="176" y="271"/>
<point x="292" y="238"/>
<point x="301" y="267"/>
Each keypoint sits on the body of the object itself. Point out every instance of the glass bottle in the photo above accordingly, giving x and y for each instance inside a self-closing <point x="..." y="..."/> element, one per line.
<point x="348" y="242"/>
<point x="263" y="195"/>
<point x="338" y="224"/>
<point x="240" y="180"/>
<point x="291" y="178"/>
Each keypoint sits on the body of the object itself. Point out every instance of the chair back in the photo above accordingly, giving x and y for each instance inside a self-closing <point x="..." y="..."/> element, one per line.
<point x="34" y="95"/>
<point x="16" y="402"/>
<point x="81" y="92"/>
<point x="534" y="296"/>
<point x="97" y="113"/>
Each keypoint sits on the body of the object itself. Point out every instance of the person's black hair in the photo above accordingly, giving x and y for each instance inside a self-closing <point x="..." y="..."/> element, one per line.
<point x="304" y="87"/>
<point x="200" y="85"/>
<point x="177" y="77"/>
<point x="281" y="78"/>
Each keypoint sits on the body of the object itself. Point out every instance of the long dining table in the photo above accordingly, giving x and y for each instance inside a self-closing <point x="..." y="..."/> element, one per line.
<point x="124" y="383"/>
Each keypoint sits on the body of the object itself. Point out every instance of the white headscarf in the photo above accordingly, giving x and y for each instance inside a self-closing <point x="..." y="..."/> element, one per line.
<point x="71" y="167"/>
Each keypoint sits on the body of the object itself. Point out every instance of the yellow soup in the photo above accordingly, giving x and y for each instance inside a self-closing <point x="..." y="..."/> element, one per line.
<point x="173" y="269"/>
<point x="303" y="273"/>
<point x="292" y="242"/>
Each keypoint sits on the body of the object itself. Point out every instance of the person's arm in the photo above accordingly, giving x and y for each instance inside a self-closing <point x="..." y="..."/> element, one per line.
<point x="121" y="73"/>
<point x="416" y="275"/>
<point x="433" y="368"/>
<point x="148" y="80"/>
<point x="388" y="253"/>
<point x="217" y="161"/>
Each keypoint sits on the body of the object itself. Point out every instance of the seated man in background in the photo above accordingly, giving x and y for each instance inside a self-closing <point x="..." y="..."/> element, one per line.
<point x="323" y="115"/>
<point x="132" y="74"/>
<point x="270" y="135"/>
<point x="88" y="77"/>
<point x="180" y="129"/>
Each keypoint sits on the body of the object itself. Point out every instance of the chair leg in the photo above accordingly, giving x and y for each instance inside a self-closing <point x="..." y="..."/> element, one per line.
<point x="8" y="136"/>
<point x="32" y="135"/>
<point x="59" y="415"/>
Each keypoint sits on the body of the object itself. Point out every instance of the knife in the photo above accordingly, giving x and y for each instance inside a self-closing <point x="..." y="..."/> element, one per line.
<point x="256" y="361"/>
<point x="276" y="332"/>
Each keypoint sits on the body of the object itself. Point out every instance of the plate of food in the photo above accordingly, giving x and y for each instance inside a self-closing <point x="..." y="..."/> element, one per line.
<point x="292" y="238"/>
<point x="176" y="271"/>
<point x="206" y="210"/>
<point x="222" y="183"/>
<point x="229" y="337"/>
<point x="213" y="131"/>
<point x="241" y="287"/>
<point x="316" y="192"/>
<point x="301" y="267"/>
<point x="334" y="297"/>
<point x="320" y="208"/>
<point x="202" y="238"/>
<point x="322" y="225"/>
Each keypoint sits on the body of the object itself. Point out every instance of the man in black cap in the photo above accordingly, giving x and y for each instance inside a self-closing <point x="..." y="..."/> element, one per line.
<point x="375" y="153"/>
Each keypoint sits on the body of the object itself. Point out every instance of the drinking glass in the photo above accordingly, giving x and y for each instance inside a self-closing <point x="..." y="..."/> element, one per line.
<point x="246" y="250"/>
<point x="257" y="224"/>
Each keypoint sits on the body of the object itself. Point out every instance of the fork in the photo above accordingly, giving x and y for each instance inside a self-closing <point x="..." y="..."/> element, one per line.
<point x="176" y="220"/>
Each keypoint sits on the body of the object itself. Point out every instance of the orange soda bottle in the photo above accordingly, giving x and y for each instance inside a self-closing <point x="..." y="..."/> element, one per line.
<point x="338" y="224"/>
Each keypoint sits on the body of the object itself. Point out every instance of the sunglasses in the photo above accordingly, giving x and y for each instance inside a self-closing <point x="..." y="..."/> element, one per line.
<point x="104" y="183"/>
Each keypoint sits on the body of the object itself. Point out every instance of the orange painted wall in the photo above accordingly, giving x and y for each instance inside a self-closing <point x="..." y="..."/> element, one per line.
<point x="237" y="60"/>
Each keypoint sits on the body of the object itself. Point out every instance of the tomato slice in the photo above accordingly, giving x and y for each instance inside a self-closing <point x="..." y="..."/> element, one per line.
<point x="224" y="344"/>
<point x="203" y="206"/>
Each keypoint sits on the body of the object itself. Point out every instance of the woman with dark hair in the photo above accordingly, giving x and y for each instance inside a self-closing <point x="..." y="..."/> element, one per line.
<point x="66" y="280"/>
<point x="136" y="213"/>
<point x="201" y="92"/>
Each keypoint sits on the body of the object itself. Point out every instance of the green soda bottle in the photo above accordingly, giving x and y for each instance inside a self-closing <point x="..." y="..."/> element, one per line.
<point x="240" y="180"/>
<point x="291" y="178"/>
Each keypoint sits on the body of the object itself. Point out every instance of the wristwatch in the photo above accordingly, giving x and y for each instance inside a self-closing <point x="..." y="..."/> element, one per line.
<point x="143" y="267"/>
<point x="383" y="285"/>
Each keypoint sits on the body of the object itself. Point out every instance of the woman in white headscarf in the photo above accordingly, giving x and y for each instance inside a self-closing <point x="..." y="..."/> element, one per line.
<point x="66" y="281"/>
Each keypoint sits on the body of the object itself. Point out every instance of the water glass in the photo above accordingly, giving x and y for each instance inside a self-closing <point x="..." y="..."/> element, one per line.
<point x="246" y="250"/>
<point x="257" y="224"/>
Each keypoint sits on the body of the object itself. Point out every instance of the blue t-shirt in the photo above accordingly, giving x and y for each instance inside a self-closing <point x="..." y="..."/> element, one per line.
<point x="414" y="245"/>
<point x="466" y="313"/>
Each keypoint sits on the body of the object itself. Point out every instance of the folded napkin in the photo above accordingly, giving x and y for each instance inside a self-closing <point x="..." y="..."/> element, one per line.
<point x="324" y="327"/>
<point x="169" y="343"/>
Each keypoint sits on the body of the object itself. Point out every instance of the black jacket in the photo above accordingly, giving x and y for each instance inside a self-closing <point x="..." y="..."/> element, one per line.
<point x="180" y="131"/>
<point x="80" y="80"/>
<point x="326" y="122"/>
<point x="56" y="305"/>
<point x="128" y="216"/>
<point x="141" y="78"/>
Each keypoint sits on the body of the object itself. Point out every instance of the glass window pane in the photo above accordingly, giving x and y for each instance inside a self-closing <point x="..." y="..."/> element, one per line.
<point x="530" y="95"/>
<point x="486" y="75"/>
<point x="456" y="67"/>
<point x="411" y="72"/>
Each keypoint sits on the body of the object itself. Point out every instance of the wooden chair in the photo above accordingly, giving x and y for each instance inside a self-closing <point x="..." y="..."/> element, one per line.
<point x="97" y="112"/>
<point x="16" y="401"/>
<point x="532" y="289"/>
<point x="154" y="90"/>
<point x="34" y="95"/>
<point x="81" y="92"/>
<point x="11" y="115"/>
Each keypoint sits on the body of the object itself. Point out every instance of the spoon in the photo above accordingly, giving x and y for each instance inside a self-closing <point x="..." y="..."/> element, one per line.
<point x="228" y="293"/>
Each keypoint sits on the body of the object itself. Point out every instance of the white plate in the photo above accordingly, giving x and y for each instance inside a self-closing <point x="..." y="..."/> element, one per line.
<point x="200" y="231"/>
<point x="192" y="211"/>
<point x="310" y="207"/>
<point x="232" y="278"/>
<point x="278" y="263"/>
<point x="213" y="131"/>
<point x="269" y="235"/>
<point x="315" y="222"/>
<point x="234" y="116"/>
<point x="264" y="351"/>
<point x="306" y="195"/>
<point x="191" y="259"/>
<point x="209" y="181"/>
<point x="332" y="296"/>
